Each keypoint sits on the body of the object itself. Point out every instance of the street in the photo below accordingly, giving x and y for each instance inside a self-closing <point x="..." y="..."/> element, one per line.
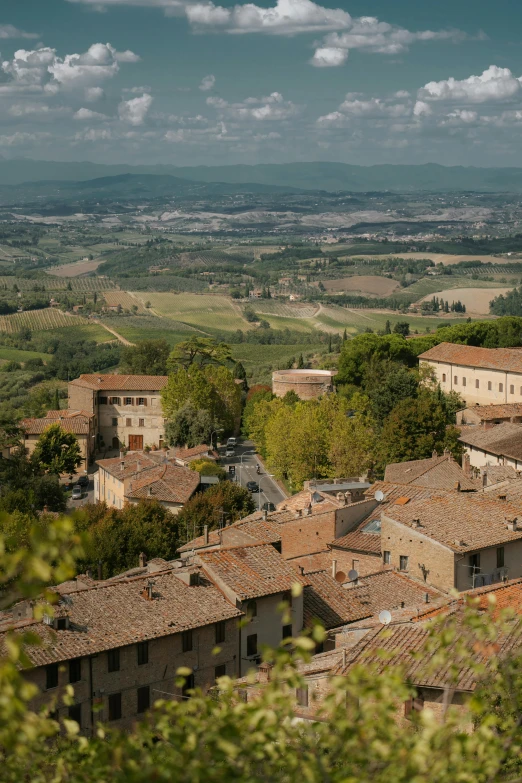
<point x="245" y="461"/>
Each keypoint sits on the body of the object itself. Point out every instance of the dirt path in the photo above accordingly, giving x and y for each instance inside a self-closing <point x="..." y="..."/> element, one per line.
<point x="116" y="334"/>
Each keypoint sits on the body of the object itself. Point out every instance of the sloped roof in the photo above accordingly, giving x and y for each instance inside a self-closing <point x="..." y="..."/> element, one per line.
<point x="330" y="603"/>
<point x="503" y="439"/>
<point x="68" y="413"/>
<point x="78" y="425"/>
<point x="389" y="590"/>
<point x="133" y="462"/>
<point x="182" y="453"/>
<point x="506" y="359"/>
<point x="167" y="483"/>
<point x="264" y="530"/>
<point x="437" y="472"/>
<point x="114" y="614"/>
<point x="251" y="570"/>
<point x="121" y="382"/>
<point x="491" y="412"/>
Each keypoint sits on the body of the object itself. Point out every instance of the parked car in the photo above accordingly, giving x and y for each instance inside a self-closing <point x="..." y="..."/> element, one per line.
<point x="232" y="442"/>
<point x="230" y="451"/>
<point x="83" y="481"/>
<point x="231" y="470"/>
<point x="77" y="493"/>
<point x="268" y="506"/>
<point x="252" y="486"/>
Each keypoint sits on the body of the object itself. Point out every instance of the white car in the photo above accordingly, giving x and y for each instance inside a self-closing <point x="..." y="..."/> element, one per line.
<point x="77" y="493"/>
<point x="232" y="442"/>
<point x="230" y="451"/>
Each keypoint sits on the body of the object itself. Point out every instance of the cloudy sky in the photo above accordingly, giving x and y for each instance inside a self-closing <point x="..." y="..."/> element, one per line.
<point x="193" y="81"/>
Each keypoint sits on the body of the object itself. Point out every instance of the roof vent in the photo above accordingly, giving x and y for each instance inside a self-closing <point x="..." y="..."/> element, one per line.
<point x="298" y="513"/>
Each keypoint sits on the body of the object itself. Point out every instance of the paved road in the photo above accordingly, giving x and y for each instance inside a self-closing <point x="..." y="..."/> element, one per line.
<point x="88" y="494"/>
<point x="245" y="461"/>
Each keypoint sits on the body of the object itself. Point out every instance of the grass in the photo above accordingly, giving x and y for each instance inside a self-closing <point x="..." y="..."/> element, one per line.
<point x="356" y="321"/>
<point x="84" y="332"/>
<point x="431" y="285"/>
<point x="17" y="355"/>
<point x="204" y="311"/>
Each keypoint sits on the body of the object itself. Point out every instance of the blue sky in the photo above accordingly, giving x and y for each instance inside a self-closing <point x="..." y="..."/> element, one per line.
<point x="199" y="82"/>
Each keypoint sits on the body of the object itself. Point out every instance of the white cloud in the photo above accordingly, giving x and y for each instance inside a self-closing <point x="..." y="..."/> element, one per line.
<point x="135" y="110"/>
<point x="493" y="84"/>
<point x="207" y="82"/>
<point x="9" y="31"/>
<point x="421" y="108"/>
<point x="270" y="107"/>
<point x="170" y="7"/>
<point x="26" y="109"/>
<point x="88" y="114"/>
<point x="287" y="17"/>
<point x="460" y="117"/>
<point x="22" y="138"/>
<point x="94" y="134"/>
<point x="374" y="107"/>
<point x="93" y="94"/>
<point x="329" y="57"/>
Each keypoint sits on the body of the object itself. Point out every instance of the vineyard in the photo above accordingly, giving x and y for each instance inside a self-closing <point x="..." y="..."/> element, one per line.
<point x="271" y="307"/>
<point x="81" y="285"/>
<point x="38" y="320"/>
<point x="125" y="300"/>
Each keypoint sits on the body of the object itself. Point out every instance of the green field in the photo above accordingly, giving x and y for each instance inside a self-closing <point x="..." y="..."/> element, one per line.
<point x="17" y="355"/>
<point x="83" y="332"/>
<point x="204" y="311"/>
<point x="430" y="285"/>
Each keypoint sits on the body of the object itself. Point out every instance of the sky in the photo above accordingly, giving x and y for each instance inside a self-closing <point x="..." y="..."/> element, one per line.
<point x="194" y="82"/>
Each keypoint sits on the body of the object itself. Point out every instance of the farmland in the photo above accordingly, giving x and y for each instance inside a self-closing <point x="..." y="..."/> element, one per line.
<point x="76" y="268"/>
<point x="81" y="285"/>
<point x="204" y="311"/>
<point x="125" y="300"/>
<point x="273" y="307"/>
<point x="438" y="258"/>
<point x="17" y="355"/>
<point x="368" y="285"/>
<point x="433" y="286"/>
<point x="476" y="299"/>
<point x="38" y="320"/>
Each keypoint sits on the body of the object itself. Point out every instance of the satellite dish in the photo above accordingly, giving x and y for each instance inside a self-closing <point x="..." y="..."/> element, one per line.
<point x="379" y="496"/>
<point x="385" y="617"/>
<point x="352" y="575"/>
<point x="340" y="576"/>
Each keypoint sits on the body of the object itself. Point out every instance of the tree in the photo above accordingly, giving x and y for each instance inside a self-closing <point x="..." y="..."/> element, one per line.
<point x="189" y="426"/>
<point x="200" y="351"/>
<point x="57" y="451"/>
<point x="147" y="357"/>
<point x="398" y="384"/>
<point x="387" y="328"/>
<point x="300" y="362"/>
<point x="402" y="327"/>
<point x="207" y="467"/>
<point x="222" y="503"/>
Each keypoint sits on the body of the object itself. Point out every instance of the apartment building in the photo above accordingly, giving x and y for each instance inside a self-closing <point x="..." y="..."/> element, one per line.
<point x="120" y="642"/>
<point x="483" y="376"/>
<point x="81" y="423"/>
<point x="136" y="476"/>
<point x="126" y="408"/>
<point x="488" y="416"/>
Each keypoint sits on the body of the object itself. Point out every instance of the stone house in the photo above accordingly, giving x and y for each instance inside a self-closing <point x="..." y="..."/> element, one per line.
<point x="120" y="642"/>
<point x="126" y="408"/>
<point x="489" y="415"/>
<point x="484" y="376"/>
<point x="500" y="444"/>
<point x="80" y="422"/>
<point x="184" y="456"/>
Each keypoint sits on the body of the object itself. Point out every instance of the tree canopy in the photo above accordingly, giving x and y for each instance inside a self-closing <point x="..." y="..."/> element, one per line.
<point x="200" y="351"/>
<point x="57" y="451"/>
<point x="147" y="357"/>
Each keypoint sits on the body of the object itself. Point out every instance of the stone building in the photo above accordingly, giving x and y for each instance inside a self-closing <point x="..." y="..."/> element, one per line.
<point x="126" y="408"/>
<point x="498" y="445"/>
<point x="80" y="422"/>
<point x="307" y="384"/>
<point x="488" y="416"/>
<point x="483" y="376"/>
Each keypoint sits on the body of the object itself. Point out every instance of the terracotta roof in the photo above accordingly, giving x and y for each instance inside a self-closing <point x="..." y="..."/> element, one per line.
<point x="495" y="474"/>
<point x="507" y="595"/>
<point x="79" y="425"/>
<point x="114" y="614"/>
<point x="505" y="359"/>
<point x="133" y="462"/>
<point x="252" y="570"/>
<point x="182" y="453"/>
<point x="167" y="483"/>
<point x="389" y="590"/>
<point x="121" y="382"/>
<point x="437" y="472"/>
<point x="361" y="540"/>
<point x="266" y="531"/>
<point x="330" y="603"/>
<point x="490" y="412"/>
<point x="67" y="413"/>
<point x="462" y="522"/>
<point x="502" y="439"/>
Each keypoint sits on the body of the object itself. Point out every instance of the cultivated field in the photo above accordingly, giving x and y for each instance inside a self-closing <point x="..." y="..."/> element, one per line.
<point x="204" y="311"/>
<point x="440" y="258"/>
<point x="39" y="320"/>
<point x="124" y="299"/>
<point x="16" y="355"/>
<point x="476" y="299"/>
<point x="272" y="307"/>
<point x="369" y="285"/>
<point x="82" y="284"/>
<point x="432" y="286"/>
<point x="75" y="269"/>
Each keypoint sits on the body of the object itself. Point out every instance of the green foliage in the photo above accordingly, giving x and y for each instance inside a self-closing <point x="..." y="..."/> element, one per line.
<point x="147" y="357"/>
<point x="222" y="503"/>
<point x="508" y="304"/>
<point x="207" y="467"/>
<point x="198" y="350"/>
<point x="189" y="426"/>
<point x="256" y="394"/>
<point x="57" y="451"/>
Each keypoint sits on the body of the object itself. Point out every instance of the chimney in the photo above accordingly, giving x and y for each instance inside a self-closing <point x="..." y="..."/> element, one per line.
<point x="402" y="604"/>
<point x="298" y="513"/>
<point x="142" y="559"/>
<point x="334" y="568"/>
<point x="457" y="486"/>
<point x="150" y="585"/>
<point x="45" y="509"/>
<point x="122" y="465"/>
<point x="485" y="479"/>
<point x="205" y="534"/>
<point x="344" y="656"/>
<point x="264" y="514"/>
<point x="466" y="465"/>
<point x="308" y="510"/>
<point x="149" y="491"/>
<point x="427" y="598"/>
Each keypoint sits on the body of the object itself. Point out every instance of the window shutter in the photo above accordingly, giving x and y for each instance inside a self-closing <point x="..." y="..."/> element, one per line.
<point x="145" y="401"/>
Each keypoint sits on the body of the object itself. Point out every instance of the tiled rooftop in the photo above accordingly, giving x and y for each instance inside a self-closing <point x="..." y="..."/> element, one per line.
<point x="266" y="531"/>
<point x="121" y="382"/>
<point x="390" y="590"/>
<point x="182" y="453"/>
<point x="135" y="462"/>
<point x="330" y="603"/>
<point x="251" y="571"/>
<point x="115" y="613"/>
<point x="167" y="483"/>
<point x="78" y="425"/>
<point x="437" y="472"/>
<point x="491" y="412"/>
<point x="461" y="521"/>
<point x="506" y="359"/>
<point x="503" y="439"/>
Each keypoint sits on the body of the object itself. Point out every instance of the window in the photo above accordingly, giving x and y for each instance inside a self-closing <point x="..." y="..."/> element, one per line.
<point x="143" y="653"/>
<point x="141" y="422"/>
<point x="75" y="713"/>
<point x="489" y="386"/>
<point x="153" y="401"/>
<point x="252" y="609"/>
<point x="403" y="563"/>
<point x="500" y="557"/>
<point x="143" y="698"/>
<point x="114" y="422"/>
<point x="115" y="706"/>
<point x="252" y="644"/>
<point x="186" y="641"/>
<point x="51" y="676"/>
<point x="113" y="660"/>
<point x="220" y="671"/>
<point x="302" y="696"/>
<point x="62" y="623"/>
<point x="501" y="387"/>
<point x="220" y="632"/>
<point x="455" y="380"/>
<point x="413" y="705"/>
<point x="142" y="400"/>
<point x="115" y="400"/>
<point x="75" y="670"/>
<point x="474" y="563"/>
<point x="187" y="686"/>
<point x="102" y="400"/>
<point x="287" y="631"/>
<point x="463" y="381"/>
<point x="386" y="556"/>
<point x="128" y="401"/>
<point x="277" y="544"/>
<point x="511" y="389"/>
<point x="477" y="384"/>
<point x="128" y="422"/>
<point x="443" y="377"/>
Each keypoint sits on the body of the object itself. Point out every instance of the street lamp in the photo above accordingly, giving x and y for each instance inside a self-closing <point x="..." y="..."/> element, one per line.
<point x="266" y="475"/>
<point x="214" y="432"/>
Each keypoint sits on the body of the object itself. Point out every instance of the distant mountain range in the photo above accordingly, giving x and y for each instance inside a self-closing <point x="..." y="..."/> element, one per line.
<point x="299" y="176"/>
